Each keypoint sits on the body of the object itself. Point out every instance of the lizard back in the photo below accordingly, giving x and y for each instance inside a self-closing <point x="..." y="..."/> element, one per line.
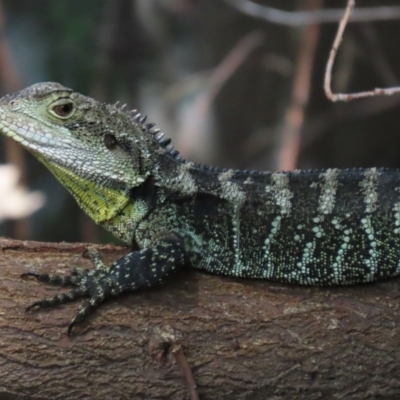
<point x="322" y="227"/>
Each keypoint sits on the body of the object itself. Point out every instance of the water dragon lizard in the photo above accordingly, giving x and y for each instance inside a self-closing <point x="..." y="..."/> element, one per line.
<point x="312" y="227"/>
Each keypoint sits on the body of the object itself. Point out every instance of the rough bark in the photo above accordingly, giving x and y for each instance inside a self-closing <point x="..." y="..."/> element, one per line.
<point x="242" y="339"/>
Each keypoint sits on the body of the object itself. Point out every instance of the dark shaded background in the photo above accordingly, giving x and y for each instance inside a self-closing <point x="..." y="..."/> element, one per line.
<point x="165" y="56"/>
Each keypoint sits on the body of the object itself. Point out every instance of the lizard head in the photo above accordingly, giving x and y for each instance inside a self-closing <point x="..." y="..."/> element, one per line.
<point x="67" y="129"/>
<point x="96" y="150"/>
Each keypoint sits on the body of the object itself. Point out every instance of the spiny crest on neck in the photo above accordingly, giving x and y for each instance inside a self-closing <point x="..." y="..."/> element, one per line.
<point x="150" y="128"/>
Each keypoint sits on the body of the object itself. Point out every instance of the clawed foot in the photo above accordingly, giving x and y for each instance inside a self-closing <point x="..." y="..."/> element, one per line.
<point x="95" y="284"/>
<point x="137" y="270"/>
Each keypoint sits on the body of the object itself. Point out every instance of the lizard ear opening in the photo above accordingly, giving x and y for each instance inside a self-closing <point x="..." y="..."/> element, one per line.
<point x="110" y="141"/>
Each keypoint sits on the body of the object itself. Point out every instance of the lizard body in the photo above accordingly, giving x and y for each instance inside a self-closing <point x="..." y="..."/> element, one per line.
<point x="317" y="227"/>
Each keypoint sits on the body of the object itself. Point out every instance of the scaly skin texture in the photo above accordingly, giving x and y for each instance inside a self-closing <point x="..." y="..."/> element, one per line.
<point x="326" y="227"/>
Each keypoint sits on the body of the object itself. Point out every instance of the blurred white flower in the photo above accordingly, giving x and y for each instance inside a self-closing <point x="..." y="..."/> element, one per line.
<point x="15" y="200"/>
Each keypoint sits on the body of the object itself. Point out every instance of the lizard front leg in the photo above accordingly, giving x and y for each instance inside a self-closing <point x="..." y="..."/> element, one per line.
<point x="134" y="271"/>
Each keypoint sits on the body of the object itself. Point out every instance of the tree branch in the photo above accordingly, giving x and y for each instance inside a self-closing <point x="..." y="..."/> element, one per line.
<point x="241" y="339"/>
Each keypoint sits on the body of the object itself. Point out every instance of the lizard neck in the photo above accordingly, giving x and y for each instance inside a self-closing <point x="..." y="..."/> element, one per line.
<point x="100" y="202"/>
<point x="186" y="178"/>
<point x="123" y="225"/>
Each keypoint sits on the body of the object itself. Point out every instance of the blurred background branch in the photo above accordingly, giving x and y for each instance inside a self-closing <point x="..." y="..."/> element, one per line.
<point x="288" y="151"/>
<point x="301" y="18"/>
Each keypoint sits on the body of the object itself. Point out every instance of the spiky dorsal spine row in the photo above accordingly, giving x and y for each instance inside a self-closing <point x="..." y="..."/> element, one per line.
<point x="157" y="133"/>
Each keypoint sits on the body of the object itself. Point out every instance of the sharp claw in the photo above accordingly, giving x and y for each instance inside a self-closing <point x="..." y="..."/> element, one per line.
<point x="71" y="325"/>
<point x="29" y="274"/>
<point x="29" y="308"/>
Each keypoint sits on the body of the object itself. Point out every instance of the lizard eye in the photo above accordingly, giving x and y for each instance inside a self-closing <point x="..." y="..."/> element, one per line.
<point x="63" y="110"/>
<point x="110" y="142"/>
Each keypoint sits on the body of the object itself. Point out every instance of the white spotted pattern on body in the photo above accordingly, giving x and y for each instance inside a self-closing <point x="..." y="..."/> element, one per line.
<point x="323" y="227"/>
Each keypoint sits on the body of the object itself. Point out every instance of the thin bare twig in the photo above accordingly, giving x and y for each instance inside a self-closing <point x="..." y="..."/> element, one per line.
<point x="328" y="71"/>
<point x="186" y="370"/>
<point x="301" y="18"/>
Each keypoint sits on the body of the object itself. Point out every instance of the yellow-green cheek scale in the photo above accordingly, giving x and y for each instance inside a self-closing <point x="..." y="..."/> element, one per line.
<point x="100" y="203"/>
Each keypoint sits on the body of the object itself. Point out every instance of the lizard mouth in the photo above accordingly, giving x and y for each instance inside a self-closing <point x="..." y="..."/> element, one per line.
<point x="32" y="138"/>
